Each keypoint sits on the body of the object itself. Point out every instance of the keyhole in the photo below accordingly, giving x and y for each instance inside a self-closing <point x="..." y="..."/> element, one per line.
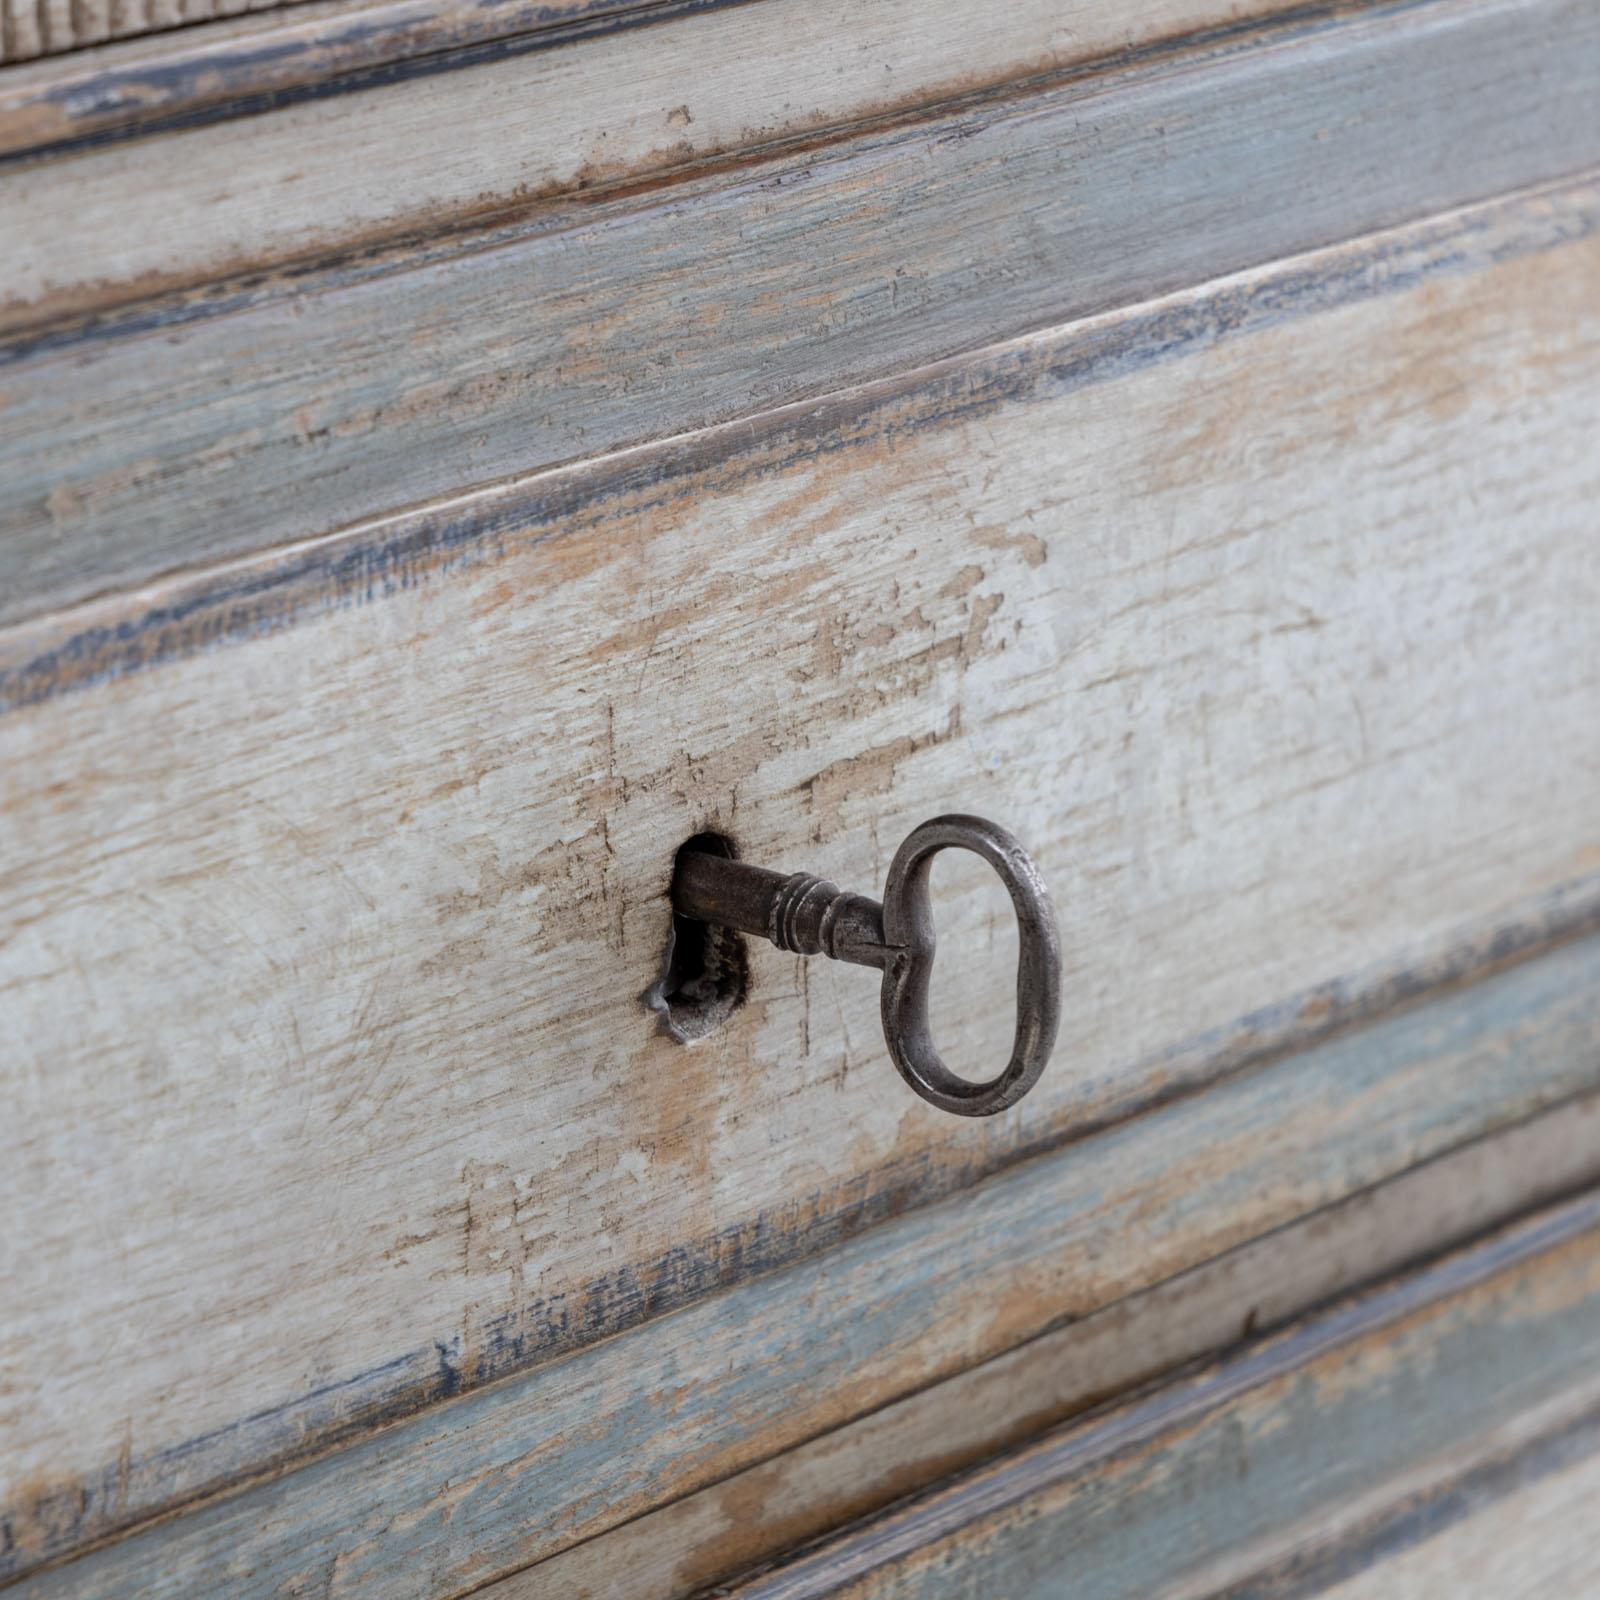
<point x="705" y="970"/>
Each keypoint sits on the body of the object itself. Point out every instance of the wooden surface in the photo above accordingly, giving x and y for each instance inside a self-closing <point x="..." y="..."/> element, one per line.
<point x="920" y="50"/>
<point x="349" y="170"/>
<point x="512" y="1473"/>
<point x="1537" y="1543"/>
<point x="865" y="1464"/>
<point x="1426" y="1379"/>
<point x="164" y="435"/>
<point x="248" y="54"/>
<point x="329" y="921"/>
<point x="792" y="419"/>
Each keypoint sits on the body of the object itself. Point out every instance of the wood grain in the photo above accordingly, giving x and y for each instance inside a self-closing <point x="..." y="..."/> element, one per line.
<point x="354" y="913"/>
<point x="1139" y="1500"/>
<point x="167" y="435"/>
<point x="922" y="49"/>
<point x="864" y="1465"/>
<point x="518" y="1471"/>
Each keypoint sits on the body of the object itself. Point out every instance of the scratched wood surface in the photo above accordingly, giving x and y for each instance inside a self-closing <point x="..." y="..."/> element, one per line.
<point x="699" y="1400"/>
<point x="864" y="1465"/>
<point x="336" y="874"/>
<point x="1370" y="1416"/>
<point x="253" y="51"/>
<point x="918" y="50"/>
<point x="165" y="434"/>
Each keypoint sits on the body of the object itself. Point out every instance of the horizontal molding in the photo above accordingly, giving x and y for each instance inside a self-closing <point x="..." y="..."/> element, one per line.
<point x="191" y="430"/>
<point x="1284" y="1435"/>
<point x="511" y="1474"/>
<point x="316" y="49"/>
<point x="645" y="100"/>
<point x="862" y="1467"/>
<point x="1510" y="1519"/>
<point x="233" y="601"/>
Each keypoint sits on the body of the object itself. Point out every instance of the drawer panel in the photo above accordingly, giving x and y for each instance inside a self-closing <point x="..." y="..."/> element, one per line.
<point x="340" y="871"/>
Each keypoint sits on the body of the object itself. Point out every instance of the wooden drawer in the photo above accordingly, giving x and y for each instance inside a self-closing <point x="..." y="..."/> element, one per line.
<point x="1280" y="1471"/>
<point x="376" y="631"/>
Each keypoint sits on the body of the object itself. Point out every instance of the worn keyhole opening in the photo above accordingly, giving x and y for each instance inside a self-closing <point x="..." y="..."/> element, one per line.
<point x="705" y="969"/>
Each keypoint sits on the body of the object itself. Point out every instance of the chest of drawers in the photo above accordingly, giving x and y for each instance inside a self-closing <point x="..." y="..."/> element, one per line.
<point x="451" y="456"/>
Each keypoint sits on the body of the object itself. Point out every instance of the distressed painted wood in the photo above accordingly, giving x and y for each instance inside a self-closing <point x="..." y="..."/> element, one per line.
<point x="341" y="872"/>
<point x="922" y="50"/>
<point x="601" y="113"/>
<point x="1536" y="1543"/>
<point x="168" y="436"/>
<point x="344" y="171"/>
<point x="1390" y="1515"/>
<point x="525" y="1469"/>
<point x="859" y="1468"/>
<point x="1339" y="1411"/>
<point x="161" y="76"/>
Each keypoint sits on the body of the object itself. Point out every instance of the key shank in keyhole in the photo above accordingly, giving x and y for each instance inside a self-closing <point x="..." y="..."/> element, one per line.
<point x="795" y="910"/>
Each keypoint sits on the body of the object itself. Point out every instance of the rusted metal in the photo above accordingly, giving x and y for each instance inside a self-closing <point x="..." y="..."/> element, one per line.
<point x="811" y="916"/>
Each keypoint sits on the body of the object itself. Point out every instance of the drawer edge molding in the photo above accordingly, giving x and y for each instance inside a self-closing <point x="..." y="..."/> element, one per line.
<point x="244" y="65"/>
<point x="773" y="1508"/>
<point x="213" y="605"/>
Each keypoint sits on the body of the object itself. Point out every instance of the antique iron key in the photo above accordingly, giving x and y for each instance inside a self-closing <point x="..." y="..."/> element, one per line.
<point x="812" y="916"/>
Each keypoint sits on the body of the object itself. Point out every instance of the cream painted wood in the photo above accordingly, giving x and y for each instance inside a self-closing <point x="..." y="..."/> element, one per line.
<point x="323" y="943"/>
